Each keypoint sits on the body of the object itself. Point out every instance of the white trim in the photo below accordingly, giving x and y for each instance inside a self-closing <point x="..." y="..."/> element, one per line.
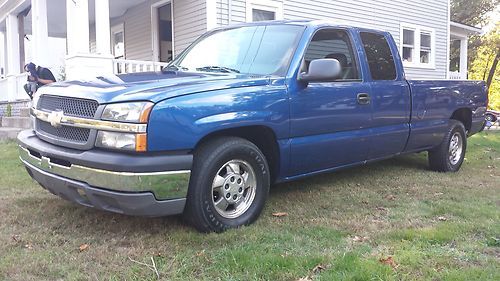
<point x="211" y="10"/>
<point x="418" y="30"/>
<point x="448" y="42"/>
<point x="472" y="30"/>
<point x="102" y="27"/>
<point x="155" y="32"/>
<point x="265" y="5"/>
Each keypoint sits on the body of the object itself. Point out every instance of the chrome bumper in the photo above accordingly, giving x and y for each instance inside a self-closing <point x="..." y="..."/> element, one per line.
<point x="164" y="185"/>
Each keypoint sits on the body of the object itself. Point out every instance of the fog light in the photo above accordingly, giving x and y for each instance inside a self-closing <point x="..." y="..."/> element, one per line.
<point x="122" y="141"/>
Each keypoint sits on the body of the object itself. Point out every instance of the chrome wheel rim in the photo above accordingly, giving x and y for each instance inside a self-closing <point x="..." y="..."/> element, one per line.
<point x="233" y="188"/>
<point x="455" y="149"/>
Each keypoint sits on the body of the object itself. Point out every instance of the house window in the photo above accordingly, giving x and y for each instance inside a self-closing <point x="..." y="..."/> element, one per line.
<point x="417" y="46"/>
<point x="408" y="45"/>
<point x="425" y="47"/>
<point x="262" y="15"/>
<point x="262" y="10"/>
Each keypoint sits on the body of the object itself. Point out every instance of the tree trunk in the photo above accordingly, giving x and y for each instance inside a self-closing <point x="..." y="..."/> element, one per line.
<point x="493" y="69"/>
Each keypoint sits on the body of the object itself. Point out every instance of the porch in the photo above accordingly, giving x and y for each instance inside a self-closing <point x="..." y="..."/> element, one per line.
<point x="459" y="37"/>
<point x="82" y="39"/>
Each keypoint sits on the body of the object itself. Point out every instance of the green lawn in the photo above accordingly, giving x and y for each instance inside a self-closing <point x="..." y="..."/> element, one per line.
<point x="339" y="226"/>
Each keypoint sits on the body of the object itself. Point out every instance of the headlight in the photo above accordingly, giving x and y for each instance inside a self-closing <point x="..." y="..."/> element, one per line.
<point x="123" y="141"/>
<point x="137" y="112"/>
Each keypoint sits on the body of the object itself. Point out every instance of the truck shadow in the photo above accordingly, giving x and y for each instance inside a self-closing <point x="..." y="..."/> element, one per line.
<point x="61" y="216"/>
<point x="402" y="164"/>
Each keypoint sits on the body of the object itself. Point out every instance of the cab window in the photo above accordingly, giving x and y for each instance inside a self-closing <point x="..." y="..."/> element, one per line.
<point x="333" y="44"/>
<point x="379" y="56"/>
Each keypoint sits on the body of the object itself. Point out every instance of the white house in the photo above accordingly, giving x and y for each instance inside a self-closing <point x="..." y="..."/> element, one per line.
<point x="91" y="37"/>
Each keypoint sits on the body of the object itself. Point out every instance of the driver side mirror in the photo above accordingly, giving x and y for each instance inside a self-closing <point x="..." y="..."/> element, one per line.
<point x="322" y="70"/>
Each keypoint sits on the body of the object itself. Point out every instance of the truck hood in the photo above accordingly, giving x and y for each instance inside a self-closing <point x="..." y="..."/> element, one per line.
<point x="151" y="86"/>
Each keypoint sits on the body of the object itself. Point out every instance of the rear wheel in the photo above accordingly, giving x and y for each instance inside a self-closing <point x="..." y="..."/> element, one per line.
<point x="449" y="155"/>
<point x="229" y="185"/>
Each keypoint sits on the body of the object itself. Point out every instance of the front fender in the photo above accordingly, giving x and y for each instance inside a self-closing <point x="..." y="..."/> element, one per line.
<point x="180" y="123"/>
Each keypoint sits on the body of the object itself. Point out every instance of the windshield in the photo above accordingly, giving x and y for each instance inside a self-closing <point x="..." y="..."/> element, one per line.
<point x="260" y="50"/>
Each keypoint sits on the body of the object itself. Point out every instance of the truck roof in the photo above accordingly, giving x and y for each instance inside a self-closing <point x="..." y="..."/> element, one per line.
<point x="305" y="22"/>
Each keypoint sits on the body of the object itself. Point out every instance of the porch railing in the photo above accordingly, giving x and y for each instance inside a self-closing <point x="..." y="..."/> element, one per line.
<point x="12" y="87"/>
<point x="121" y="66"/>
<point x="455" y="75"/>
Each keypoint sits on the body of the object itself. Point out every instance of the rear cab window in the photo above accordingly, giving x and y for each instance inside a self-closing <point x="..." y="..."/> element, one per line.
<point x="379" y="56"/>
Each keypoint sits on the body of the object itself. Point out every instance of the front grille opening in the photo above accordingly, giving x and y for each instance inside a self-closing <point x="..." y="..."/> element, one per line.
<point x="35" y="154"/>
<point x="60" y="162"/>
<point x="74" y="134"/>
<point x="70" y="106"/>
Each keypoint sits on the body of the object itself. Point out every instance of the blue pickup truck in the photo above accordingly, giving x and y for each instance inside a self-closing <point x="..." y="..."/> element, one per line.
<point x="242" y="108"/>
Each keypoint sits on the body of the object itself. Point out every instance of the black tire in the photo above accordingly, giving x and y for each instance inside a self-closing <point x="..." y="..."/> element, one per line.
<point x="209" y="160"/>
<point x="490" y="117"/>
<point x="441" y="158"/>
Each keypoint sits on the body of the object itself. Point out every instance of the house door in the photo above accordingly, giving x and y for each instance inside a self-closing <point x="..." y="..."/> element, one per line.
<point x="165" y="38"/>
<point x="118" y="41"/>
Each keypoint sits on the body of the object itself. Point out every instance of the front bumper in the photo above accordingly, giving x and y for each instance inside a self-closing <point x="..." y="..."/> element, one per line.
<point x="154" y="185"/>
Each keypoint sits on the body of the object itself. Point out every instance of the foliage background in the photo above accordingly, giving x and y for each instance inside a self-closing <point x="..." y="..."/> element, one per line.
<point x="484" y="51"/>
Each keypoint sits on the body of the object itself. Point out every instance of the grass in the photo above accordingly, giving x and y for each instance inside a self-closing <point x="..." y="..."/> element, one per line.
<point x="434" y="226"/>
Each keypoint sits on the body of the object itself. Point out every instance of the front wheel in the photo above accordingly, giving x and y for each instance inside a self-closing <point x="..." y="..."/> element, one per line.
<point x="229" y="185"/>
<point x="450" y="154"/>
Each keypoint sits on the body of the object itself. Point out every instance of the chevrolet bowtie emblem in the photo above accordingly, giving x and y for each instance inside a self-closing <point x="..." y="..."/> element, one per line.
<point x="55" y="118"/>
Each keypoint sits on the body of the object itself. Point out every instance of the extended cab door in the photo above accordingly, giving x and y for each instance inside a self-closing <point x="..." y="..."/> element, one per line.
<point x="390" y="95"/>
<point x="330" y="120"/>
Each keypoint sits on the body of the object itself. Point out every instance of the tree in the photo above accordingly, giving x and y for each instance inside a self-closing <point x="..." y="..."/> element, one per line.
<point x="472" y="12"/>
<point x="485" y="65"/>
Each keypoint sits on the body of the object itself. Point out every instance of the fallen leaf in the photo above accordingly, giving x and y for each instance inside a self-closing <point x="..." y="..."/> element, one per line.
<point x="83" y="247"/>
<point x="390" y="197"/>
<point x="359" y="239"/>
<point x="442" y="219"/>
<point x="16" y="238"/>
<point x="280" y="214"/>
<point x="389" y="261"/>
<point x="318" y="268"/>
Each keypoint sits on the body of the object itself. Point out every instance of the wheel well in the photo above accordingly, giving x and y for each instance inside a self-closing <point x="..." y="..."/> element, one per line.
<point x="463" y="115"/>
<point x="263" y="137"/>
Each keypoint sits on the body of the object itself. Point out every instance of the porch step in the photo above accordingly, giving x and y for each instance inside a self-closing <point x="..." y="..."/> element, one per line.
<point x="9" y="133"/>
<point x="24" y="112"/>
<point x="16" y="122"/>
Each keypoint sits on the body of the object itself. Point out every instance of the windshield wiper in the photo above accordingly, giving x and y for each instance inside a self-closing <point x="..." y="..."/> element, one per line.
<point x="175" y="67"/>
<point x="213" y="68"/>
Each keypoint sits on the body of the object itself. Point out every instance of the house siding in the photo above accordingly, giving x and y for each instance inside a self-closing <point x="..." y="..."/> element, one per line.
<point x="137" y="29"/>
<point x="377" y="14"/>
<point x="190" y="21"/>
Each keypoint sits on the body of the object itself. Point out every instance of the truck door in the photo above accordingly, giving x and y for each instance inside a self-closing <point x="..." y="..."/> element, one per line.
<point x="330" y="120"/>
<point x="390" y="96"/>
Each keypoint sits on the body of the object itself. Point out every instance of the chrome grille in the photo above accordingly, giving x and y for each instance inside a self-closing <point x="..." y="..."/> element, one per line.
<point x="67" y="133"/>
<point x="73" y="137"/>
<point x="70" y="106"/>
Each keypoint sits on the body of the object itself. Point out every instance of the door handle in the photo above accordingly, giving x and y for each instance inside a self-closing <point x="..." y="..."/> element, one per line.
<point x="363" y="98"/>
